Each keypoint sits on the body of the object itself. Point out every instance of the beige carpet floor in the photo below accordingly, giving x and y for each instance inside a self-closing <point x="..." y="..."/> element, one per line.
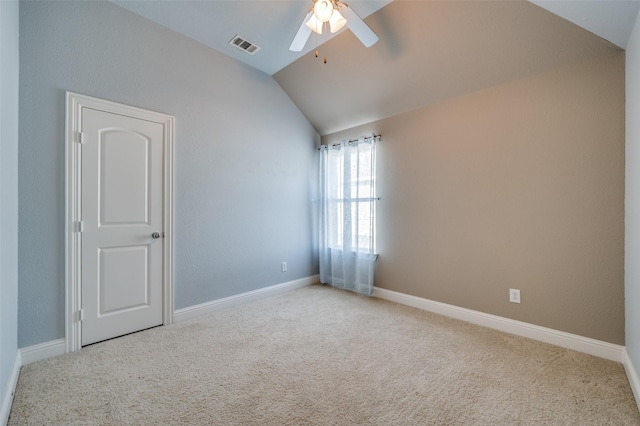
<point x="319" y="356"/>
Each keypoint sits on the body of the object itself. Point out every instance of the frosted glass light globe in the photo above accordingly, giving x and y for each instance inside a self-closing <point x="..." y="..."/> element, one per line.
<point x="323" y="10"/>
<point x="337" y="21"/>
<point x="314" y="24"/>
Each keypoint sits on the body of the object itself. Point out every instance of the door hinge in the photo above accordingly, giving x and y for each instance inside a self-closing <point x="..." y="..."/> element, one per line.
<point x="80" y="137"/>
<point x="80" y="314"/>
<point x="80" y="226"/>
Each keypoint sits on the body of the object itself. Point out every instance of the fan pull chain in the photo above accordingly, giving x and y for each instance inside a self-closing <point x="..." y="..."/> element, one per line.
<point x="316" y="38"/>
<point x="325" y="28"/>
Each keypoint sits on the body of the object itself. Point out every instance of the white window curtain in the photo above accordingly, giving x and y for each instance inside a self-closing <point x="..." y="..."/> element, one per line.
<point x="347" y="214"/>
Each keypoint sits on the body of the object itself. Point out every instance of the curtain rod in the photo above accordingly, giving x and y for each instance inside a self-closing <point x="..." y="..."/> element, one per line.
<point x="373" y="137"/>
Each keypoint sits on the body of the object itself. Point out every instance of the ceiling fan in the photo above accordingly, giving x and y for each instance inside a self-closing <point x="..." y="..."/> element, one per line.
<point x="337" y="15"/>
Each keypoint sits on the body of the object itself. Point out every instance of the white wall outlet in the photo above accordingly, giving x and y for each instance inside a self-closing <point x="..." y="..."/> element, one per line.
<point x="514" y="295"/>
<point x="283" y="266"/>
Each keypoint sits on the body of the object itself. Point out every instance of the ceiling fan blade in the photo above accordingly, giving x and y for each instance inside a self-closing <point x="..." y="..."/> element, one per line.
<point x="358" y="27"/>
<point x="301" y="36"/>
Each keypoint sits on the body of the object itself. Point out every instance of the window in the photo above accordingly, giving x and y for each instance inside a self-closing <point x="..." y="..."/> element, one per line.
<point x="352" y="199"/>
<point x="347" y="214"/>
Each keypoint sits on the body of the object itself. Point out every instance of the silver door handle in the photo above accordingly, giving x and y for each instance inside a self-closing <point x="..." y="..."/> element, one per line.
<point x="155" y="235"/>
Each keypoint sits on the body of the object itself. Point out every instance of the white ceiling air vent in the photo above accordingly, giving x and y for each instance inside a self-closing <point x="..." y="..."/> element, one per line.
<point x="244" y="44"/>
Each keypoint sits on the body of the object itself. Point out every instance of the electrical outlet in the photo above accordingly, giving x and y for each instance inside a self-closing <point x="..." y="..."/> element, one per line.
<point x="514" y="295"/>
<point x="283" y="266"/>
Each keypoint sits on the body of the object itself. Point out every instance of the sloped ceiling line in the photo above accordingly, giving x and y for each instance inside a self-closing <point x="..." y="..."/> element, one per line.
<point x="429" y="51"/>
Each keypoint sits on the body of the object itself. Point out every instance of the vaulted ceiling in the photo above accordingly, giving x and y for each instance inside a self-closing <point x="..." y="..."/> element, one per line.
<point x="429" y="51"/>
<point x="270" y="24"/>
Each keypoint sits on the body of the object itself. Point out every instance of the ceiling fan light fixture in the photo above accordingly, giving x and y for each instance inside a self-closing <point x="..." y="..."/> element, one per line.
<point x="314" y="24"/>
<point x="323" y="9"/>
<point x="337" y="21"/>
<point x="339" y="15"/>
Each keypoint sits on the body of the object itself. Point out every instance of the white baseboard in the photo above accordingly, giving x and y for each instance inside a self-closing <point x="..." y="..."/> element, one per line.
<point x="7" y="398"/>
<point x="195" y="311"/>
<point x="58" y="347"/>
<point x="632" y="375"/>
<point x="43" y="351"/>
<point x="575" y="342"/>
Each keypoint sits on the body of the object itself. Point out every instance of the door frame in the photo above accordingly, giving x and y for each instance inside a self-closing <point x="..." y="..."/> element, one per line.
<point x="75" y="102"/>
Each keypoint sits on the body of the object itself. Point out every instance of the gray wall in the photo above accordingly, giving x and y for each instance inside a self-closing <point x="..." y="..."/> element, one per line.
<point x="8" y="192"/>
<point x="632" y="199"/>
<point x="517" y="186"/>
<point x="244" y="155"/>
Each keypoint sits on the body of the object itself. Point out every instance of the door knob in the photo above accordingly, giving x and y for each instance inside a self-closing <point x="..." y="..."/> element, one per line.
<point x="155" y="235"/>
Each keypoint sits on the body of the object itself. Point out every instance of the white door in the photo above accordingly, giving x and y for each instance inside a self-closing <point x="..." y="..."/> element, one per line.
<point x="122" y="237"/>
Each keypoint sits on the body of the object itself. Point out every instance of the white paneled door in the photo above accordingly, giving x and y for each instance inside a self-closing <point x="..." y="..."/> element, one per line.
<point x="122" y="225"/>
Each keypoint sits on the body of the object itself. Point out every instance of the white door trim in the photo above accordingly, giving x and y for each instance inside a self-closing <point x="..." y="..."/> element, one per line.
<point x="73" y="145"/>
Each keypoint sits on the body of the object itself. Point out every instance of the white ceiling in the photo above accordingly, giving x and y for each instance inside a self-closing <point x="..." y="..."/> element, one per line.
<point x="429" y="51"/>
<point x="611" y="19"/>
<point x="270" y="24"/>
